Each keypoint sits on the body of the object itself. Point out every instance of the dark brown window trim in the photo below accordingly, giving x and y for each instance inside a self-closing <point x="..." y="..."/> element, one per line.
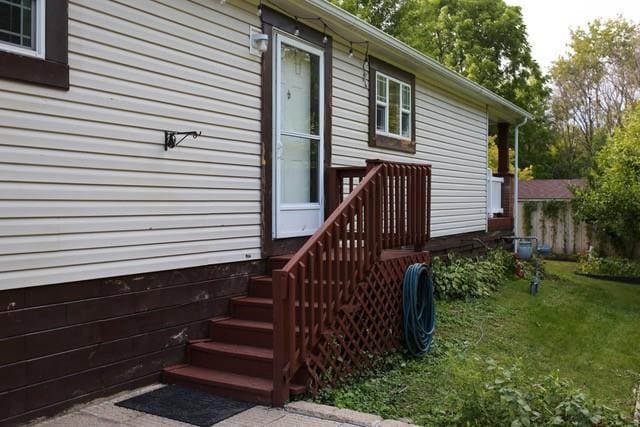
<point x="271" y="20"/>
<point x="53" y="70"/>
<point x="382" y="141"/>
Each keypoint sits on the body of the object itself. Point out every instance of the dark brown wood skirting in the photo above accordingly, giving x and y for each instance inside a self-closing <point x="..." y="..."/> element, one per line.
<point x="468" y="243"/>
<point x="53" y="70"/>
<point x="500" y="223"/>
<point x="64" y="344"/>
<point x="271" y="20"/>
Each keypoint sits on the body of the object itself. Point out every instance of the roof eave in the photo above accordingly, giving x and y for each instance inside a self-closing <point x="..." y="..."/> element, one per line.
<point x="500" y="105"/>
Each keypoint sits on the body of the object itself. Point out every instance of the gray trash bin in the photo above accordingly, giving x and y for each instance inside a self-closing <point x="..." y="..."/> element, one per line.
<point x="524" y="249"/>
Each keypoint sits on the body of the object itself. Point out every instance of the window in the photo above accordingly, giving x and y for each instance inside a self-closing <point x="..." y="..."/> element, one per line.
<point x="33" y="41"/>
<point x="22" y="26"/>
<point x="393" y="107"/>
<point x="392" y="117"/>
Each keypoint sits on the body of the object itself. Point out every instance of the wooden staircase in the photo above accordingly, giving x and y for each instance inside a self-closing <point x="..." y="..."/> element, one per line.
<point x="328" y="309"/>
<point x="237" y="359"/>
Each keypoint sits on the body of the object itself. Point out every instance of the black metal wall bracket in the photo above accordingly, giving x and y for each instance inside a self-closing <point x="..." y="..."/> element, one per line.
<point x="170" y="138"/>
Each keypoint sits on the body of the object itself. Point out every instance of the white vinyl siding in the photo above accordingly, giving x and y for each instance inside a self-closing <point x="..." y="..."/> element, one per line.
<point x="86" y="188"/>
<point x="451" y="135"/>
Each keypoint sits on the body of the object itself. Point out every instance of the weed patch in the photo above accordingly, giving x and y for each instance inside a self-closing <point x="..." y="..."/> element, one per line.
<point x="568" y="355"/>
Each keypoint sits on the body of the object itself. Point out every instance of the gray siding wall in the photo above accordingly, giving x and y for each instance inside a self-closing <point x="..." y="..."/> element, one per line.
<point x="87" y="190"/>
<point x="451" y="135"/>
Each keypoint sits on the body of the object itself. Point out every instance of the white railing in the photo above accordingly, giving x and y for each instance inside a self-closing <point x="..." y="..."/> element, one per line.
<point x="494" y="194"/>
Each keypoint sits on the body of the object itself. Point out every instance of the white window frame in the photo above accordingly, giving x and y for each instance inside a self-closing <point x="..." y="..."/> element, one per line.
<point x="401" y="108"/>
<point x="39" y="9"/>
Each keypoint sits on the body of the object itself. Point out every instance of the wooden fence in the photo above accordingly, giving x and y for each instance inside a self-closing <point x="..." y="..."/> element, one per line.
<point x="555" y="227"/>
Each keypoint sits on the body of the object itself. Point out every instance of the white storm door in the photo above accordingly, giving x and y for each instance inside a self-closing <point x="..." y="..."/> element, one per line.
<point x="298" y="186"/>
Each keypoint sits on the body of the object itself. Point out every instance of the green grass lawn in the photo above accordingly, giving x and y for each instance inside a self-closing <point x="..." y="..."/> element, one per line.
<point x="585" y="329"/>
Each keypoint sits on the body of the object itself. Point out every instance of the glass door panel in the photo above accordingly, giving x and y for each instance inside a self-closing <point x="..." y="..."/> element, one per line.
<point x="298" y="173"/>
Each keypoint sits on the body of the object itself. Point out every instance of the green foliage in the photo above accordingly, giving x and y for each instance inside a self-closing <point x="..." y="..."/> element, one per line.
<point x="528" y="209"/>
<point x="485" y="40"/>
<point x="552" y="208"/>
<point x="507" y="397"/>
<point x="388" y="15"/>
<point x="515" y="400"/>
<point x="595" y="82"/>
<point x="610" y="203"/>
<point x="454" y="385"/>
<point x="608" y="266"/>
<point x="457" y="277"/>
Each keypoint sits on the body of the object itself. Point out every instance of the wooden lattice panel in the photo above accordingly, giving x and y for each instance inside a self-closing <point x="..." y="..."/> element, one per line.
<point x="369" y="326"/>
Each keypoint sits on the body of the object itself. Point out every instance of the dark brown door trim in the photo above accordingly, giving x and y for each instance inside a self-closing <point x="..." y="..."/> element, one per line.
<point x="274" y="20"/>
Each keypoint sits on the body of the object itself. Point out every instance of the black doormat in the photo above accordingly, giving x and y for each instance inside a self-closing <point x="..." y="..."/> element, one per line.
<point x="186" y="405"/>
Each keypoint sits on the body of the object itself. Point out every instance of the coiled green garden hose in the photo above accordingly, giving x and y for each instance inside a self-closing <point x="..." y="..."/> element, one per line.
<point x="418" y="309"/>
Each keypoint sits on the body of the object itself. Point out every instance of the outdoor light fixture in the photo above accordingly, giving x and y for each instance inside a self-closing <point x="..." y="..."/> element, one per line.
<point x="259" y="42"/>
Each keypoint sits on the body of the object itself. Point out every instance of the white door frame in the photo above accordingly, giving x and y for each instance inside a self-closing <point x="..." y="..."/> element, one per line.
<point x="308" y="210"/>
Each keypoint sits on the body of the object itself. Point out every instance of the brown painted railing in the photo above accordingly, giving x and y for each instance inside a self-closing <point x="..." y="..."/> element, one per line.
<point x="342" y="181"/>
<point x="389" y="208"/>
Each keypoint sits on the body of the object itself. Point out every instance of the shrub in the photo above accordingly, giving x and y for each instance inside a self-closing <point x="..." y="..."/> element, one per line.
<point x="608" y="266"/>
<point x="512" y="399"/>
<point x="610" y="203"/>
<point x="457" y="277"/>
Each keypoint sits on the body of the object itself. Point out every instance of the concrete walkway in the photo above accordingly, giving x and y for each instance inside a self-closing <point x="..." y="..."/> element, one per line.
<point x="104" y="413"/>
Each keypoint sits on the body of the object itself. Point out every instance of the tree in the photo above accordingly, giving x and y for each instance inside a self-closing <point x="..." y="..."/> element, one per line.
<point x="594" y="83"/>
<point x="388" y="15"/>
<point x="484" y="40"/>
<point x="610" y="202"/>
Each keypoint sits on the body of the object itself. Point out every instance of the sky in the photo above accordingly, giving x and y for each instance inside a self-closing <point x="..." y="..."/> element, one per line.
<point x="548" y="21"/>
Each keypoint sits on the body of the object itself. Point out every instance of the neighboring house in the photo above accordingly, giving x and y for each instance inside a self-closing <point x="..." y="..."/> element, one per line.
<point x="116" y="250"/>
<point x="545" y="211"/>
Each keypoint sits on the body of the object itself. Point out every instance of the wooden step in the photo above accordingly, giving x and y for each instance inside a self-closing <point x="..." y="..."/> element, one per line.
<point x="261" y="286"/>
<point x="297" y="389"/>
<point x="252" y="308"/>
<point x="243" y="332"/>
<point x="235" y="358"/>
<point x="235" y="386"/>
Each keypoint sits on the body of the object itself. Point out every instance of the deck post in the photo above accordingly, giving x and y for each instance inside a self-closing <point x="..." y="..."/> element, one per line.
<point x="503" y="148"/>
<point x="333" y="193"/>
<point x="280" y="393"/>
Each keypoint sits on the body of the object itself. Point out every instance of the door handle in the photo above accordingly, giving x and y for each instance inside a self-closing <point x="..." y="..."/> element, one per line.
<point x="279" y="150"/>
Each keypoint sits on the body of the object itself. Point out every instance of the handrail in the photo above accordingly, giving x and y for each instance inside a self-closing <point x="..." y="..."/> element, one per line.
<point x="389" y="208"/>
